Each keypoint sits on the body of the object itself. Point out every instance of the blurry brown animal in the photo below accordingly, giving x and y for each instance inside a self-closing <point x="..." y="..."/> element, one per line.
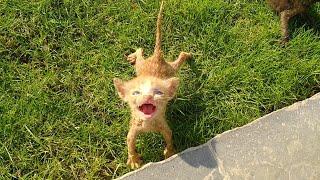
<point x="287" y="9"/>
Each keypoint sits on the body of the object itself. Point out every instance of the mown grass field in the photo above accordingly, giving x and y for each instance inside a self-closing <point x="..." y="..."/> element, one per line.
<point x="60" y="117"/>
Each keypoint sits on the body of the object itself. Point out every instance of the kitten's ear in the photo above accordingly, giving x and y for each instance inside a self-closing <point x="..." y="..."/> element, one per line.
<point x="119" y="84"/>
<point x="172" y="85"/>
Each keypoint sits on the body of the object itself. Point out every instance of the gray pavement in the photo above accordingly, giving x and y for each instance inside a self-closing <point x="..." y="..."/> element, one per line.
<point x="284" y="144"/>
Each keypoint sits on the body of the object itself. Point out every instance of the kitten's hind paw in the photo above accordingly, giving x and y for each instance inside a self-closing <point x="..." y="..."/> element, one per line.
<point x="134" y="161"/>
<point x="186" y="55"/>
<point x="284" y="40"/>
<point x="168" y="152"/>
<point x="133" y="57"/>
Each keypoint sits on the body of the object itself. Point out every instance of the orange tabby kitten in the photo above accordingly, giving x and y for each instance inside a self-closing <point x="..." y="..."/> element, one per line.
<point x="148" y="95"/>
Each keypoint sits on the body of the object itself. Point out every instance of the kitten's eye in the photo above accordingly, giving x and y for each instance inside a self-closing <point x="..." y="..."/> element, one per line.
<point x="158" y="92"/>
<point x="136" y="93"/>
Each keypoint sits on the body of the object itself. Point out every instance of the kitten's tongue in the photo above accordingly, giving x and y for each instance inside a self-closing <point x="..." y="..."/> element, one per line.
<point x="147" y="109"/>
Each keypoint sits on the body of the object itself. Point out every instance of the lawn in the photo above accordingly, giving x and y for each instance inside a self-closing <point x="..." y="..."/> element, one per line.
<point x="60" y="117"/>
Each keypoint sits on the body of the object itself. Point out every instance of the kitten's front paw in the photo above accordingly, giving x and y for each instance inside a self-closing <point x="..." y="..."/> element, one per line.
<point x="134" y="161"/>
<point x="168" y="152"/>
<point x="132" y="58"/>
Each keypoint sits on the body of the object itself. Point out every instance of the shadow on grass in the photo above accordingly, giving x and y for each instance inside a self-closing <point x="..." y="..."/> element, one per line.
<point x="183" y="113"/>
<point x="309" y="20"/>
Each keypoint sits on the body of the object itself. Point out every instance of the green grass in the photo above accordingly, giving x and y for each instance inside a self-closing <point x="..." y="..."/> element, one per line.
<point x="60" y="116"/>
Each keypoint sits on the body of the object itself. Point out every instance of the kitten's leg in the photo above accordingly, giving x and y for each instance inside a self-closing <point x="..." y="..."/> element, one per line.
<point x="167" y="134"/>
<point x="181" y="59"/>
<point x="136" y="56"/>
<point x="284" y="19"/>
<point x="134" y="160"/>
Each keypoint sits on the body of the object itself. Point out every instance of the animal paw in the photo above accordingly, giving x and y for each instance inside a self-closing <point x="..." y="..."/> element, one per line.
<point x="134" y="161"/>
<point x="284" y="40"/>
<point x="168" y="152"/>
<point x="132" y="58"/>
<point x="186" y="55"/>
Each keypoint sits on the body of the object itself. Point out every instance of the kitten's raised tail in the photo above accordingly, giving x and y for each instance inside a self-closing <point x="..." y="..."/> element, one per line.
<point x="157" y="48"/>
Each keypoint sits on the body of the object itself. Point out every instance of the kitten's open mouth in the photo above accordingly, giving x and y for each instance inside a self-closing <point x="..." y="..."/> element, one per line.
<point x="147" y="108"/>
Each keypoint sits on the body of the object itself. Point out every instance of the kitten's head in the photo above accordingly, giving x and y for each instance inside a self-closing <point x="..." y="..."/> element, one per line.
<point x="147" y="96"/>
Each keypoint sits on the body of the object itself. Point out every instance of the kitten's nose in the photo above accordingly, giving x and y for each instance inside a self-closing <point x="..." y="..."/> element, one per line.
<point x="148" y="97"/>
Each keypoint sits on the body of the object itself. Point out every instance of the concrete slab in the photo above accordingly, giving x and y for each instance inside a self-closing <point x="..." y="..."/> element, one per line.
<point x="284" y="144"/>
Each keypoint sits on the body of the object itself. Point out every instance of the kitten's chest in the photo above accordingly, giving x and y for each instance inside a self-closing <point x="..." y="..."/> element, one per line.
<point x="147" y="125"/>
